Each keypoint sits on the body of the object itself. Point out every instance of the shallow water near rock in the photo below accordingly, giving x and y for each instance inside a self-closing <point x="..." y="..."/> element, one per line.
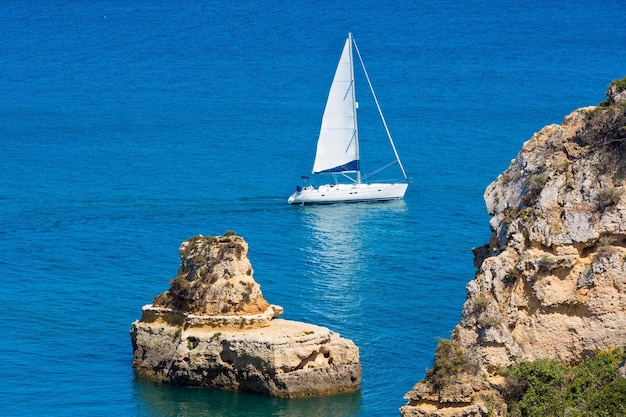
<point x="144" y="125"/>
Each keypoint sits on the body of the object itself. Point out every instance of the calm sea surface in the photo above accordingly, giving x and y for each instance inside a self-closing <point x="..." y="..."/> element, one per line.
<point x="128" y="128"/>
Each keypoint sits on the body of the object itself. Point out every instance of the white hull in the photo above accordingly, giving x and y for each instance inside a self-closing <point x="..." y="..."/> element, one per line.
<point x="348" y="193"/>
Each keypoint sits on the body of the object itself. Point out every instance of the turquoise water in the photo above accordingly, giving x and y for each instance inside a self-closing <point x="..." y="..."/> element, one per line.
<point x="126" y="129"/>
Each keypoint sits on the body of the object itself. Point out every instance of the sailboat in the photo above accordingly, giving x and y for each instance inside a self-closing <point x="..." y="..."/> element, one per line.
<point x="338" y="145"/>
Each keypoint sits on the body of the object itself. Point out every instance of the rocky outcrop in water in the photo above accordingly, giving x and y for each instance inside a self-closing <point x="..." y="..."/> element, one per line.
<point x="213" y="328"/>
<point x="551" y="283"/>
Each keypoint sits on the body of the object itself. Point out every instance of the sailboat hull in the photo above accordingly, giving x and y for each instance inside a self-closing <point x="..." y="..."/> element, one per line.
<point x="348" y="193"/>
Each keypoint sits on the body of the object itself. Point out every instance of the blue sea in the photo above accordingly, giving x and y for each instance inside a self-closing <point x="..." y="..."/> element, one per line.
<point x="129" y="127"/>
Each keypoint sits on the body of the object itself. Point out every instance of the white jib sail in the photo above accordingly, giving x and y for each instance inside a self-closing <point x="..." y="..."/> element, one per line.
<point x="337" y="146"/>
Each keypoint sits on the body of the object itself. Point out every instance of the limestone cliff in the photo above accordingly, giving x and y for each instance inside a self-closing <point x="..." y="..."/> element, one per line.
<point x="213" y="328"/>
<point x="214" y="278"/>
<point x="552" y="280"/>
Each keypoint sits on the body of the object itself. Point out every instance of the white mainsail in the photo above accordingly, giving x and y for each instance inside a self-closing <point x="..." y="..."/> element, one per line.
<point x="337" y="146"/>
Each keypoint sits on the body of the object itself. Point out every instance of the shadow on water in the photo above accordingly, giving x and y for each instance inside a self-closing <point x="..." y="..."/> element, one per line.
<point x="154" y="399"/>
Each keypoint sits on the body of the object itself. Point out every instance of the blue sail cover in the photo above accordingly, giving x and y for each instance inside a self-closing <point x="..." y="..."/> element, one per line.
<point x="352" y="166"/>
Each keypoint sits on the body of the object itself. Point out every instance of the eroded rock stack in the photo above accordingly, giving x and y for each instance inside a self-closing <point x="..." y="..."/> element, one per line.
<point x="213" y="328"/>
<point x="551" y="283"/>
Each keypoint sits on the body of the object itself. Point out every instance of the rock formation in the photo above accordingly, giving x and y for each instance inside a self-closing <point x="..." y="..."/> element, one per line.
<point x="213" y="328"/>
<point x="551" y="283"/>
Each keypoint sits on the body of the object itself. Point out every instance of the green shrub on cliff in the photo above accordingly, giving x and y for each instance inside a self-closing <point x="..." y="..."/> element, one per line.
<point x="617" y="86"/>
<point x="534" y="185"/>
<point x="534" y="388"/>
<point x="450" y="362"/>
<point x="609" y="400"/>
<point x="547" y="388"/>
<point x="608" y="197"/>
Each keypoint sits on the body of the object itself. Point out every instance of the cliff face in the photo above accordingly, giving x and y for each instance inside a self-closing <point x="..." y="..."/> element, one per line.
<point x="552" y="280"/>
<point x="213" y="328"/>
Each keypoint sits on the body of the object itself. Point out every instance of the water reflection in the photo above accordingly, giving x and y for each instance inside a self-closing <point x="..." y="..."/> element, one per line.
<point x="155" y="399"/>
<point x="341" y="244"/>
<point x="336" y="241"/>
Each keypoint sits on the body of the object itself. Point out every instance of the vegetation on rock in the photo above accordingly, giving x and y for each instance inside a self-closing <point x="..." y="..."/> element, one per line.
<point x="546" y="387"/>
<point x="606" y="123"/>
<point x="617" y="86"/>
<point x="534" y="184"/>
<point x="450" y="362"/>
<point x="608" y="197"/>
<point x="620" y="84"/>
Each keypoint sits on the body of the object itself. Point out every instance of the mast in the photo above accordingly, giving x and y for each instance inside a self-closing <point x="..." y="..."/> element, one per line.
<point x="354" y="106"/>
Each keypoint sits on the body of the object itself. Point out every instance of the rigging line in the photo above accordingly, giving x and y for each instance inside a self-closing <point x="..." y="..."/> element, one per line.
<point x="379" y="169"/>
<point x="349" y="177"/>
<point x="367" y="77"/>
